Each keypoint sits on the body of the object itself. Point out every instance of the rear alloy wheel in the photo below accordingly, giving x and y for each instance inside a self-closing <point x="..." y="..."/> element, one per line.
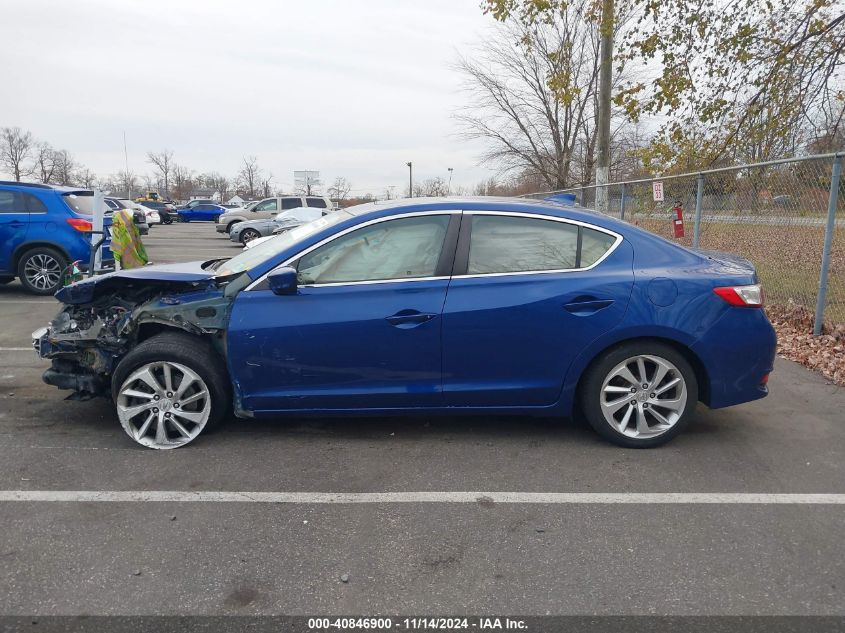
<point x="247" y="235"/>
<point x="640" y="394"/>
<point x="169" y="389"/>
<point x="40" y="270"/>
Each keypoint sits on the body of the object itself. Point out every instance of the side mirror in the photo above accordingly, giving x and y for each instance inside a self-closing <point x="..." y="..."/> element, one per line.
<point x="283" y="281"/>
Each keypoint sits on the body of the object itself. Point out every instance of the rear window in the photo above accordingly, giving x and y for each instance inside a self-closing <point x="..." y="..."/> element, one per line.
<point x="81" y="202"/>
<point x="316" y="202"/>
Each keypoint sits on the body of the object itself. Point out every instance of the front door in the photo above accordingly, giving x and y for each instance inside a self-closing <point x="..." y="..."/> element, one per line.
<point x="363" y="330"/>
<point x="528" y="294"/>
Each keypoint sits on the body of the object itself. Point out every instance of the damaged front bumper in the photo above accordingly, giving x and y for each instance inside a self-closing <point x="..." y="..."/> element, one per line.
<point x="79" y="363"/>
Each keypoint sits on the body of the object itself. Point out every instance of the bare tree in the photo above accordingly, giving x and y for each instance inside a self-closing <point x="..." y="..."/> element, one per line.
<point x="15" y="150"/>
<point x="535" y="103"/>
<point x="266" y="190"/>
<point x="219" y="183"/>
<point x="86" y="178"/>
<point x="127" y="182"/>
<point x="45" y="162"/>
<point x="340" y="189"/>
<point x="65" y="167"/>
<point x="163" y="161"/>
<point x="433" y="187"/>
<point x="250" y="175"/>
<point x="183" y="181"/>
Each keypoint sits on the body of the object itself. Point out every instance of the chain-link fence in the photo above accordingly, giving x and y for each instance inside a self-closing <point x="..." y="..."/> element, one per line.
<point x="777" y="214"/>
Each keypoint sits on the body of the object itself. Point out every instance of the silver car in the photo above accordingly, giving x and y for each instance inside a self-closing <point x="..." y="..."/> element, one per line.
<point x="244" y="232"/>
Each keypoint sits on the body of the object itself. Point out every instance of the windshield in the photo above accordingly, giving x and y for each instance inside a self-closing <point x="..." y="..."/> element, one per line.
<point x="266" y="250"/>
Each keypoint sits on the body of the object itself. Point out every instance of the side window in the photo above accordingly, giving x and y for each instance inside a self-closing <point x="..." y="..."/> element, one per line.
<point x="318" y="203"/>
<point x="393" y="249"/>
<point x="267" y="205"/>
<point x="507" y="244"/>
<point x="594" y="244"/>
<point x="291" y="203"/>
<point x="34" y="204"/>
<point x="11" y="202"/>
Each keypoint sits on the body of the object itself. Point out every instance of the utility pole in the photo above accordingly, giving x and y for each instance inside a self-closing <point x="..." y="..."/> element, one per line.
<point x="126" y="166"/>
<point x="449" y="188"/>
<point x="605" y="78"/>
<point x="410" y="179"/>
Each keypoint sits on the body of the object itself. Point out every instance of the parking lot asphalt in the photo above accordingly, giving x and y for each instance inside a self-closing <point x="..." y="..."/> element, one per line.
<point x="188" y="556"/>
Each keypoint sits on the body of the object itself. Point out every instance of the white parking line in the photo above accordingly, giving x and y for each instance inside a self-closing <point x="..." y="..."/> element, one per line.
<point x="208" y="496"/>
<point x="17" y="349"/>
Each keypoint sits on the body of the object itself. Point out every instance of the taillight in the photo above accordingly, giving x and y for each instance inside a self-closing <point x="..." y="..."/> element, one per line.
<point x="83" y="226"/>
<point x="742" y="296"/>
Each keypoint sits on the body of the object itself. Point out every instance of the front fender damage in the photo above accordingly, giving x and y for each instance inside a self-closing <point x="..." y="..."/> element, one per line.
<point x="86" y="342"/>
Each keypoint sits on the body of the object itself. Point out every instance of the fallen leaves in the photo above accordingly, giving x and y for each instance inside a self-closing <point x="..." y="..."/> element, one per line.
<point x="824" y="354"/>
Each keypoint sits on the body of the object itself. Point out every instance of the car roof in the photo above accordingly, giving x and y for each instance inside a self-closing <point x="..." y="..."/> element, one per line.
<point x="39" y="185"/>
<point x="486" y="203"/>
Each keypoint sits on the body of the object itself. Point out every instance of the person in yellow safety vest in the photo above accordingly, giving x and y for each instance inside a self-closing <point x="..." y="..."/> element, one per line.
<point x="126" y="241"/>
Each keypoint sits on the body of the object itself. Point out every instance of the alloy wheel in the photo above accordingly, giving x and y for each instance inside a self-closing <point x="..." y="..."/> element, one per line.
<point x="163" y="405"/>
<point x="643" y="396"/>
<point x="42" y="271"/>
<point x="247" y="235"/>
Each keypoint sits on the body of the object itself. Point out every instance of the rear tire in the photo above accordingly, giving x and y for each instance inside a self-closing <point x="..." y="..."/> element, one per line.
<point x="247" y="235"/>
<point x="639" y="394"/>
<point x="169" y="389"/>
<point x="40" y="270"/>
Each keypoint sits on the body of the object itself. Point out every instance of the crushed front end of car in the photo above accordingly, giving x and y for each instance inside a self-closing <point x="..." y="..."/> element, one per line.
<point x="103" y="318"/>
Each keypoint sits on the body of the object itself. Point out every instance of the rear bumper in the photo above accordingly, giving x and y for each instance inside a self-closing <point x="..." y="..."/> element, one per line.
<point x="738" y="352"/>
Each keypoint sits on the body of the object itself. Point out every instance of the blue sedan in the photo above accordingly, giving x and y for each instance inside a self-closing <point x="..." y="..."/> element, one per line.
<point x="466" y="305"/>
<point x="204" y="212"/>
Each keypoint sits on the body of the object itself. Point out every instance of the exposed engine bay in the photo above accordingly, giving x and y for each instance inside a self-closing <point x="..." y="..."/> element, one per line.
<point x="88" y="339"/>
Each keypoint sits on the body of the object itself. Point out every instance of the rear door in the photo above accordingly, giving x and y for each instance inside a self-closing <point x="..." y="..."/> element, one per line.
<point x="528" y="293"/>
<point x="14" y="223"/>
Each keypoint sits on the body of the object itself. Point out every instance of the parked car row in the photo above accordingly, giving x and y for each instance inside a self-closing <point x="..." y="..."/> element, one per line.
<point x="268" y="208"/>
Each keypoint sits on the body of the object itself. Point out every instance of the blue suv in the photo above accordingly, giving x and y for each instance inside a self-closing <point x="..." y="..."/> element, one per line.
<point x="43" y="229"/>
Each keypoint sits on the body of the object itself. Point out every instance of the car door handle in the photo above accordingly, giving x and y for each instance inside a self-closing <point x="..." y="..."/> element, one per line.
<point x="587" y="305"/>
<point x="409" y="318"/>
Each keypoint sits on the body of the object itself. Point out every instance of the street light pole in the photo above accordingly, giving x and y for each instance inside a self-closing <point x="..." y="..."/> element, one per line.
<point x="449" y="188"/>
<point x="410" y="179"/>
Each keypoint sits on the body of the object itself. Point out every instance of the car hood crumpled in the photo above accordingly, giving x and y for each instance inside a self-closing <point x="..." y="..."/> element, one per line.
<point x="189" y="273"/>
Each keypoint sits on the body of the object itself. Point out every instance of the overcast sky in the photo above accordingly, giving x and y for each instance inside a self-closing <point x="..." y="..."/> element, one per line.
<point x="352" y="88"/>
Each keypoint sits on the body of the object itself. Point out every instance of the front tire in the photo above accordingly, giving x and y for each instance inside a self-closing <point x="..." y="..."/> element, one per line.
<point x="169" y="389"/>
<point x="640" y="394"/>
<point x="40" y="270"/>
